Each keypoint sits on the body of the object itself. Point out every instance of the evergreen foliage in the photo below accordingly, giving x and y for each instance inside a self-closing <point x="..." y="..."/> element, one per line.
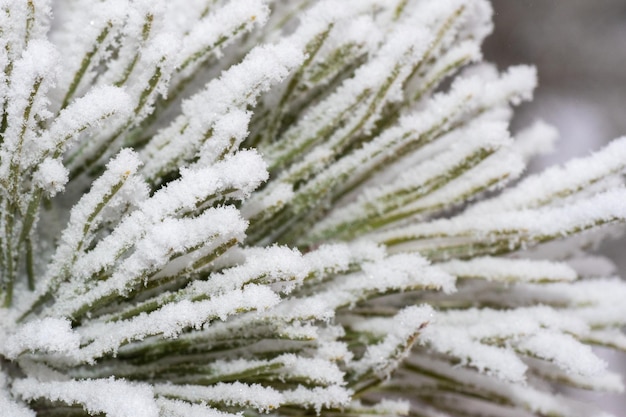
<point x="216" y="208"/>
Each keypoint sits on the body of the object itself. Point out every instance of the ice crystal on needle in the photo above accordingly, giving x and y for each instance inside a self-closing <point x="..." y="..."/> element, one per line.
<point x="229" y="207"/>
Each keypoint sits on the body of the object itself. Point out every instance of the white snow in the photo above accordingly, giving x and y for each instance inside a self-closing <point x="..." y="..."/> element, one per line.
<point x="396" y="265"/>
<point x="94" y="395"/>
<point x="10" y="405"/>
<point x="527" y="226"/>
<point x="399" y="332"/>
<point x="177" y="408"/>
<point x="264" y="399"/>
<point x="51" y="176"/>
<point x="557" y="182"/>
<point x="510" y="270"/>
<point x="48" y="335"/>
<point x="171" y="319"/>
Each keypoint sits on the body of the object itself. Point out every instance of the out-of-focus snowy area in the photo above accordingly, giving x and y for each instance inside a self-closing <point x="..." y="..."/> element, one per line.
<point x="579" y="48"/>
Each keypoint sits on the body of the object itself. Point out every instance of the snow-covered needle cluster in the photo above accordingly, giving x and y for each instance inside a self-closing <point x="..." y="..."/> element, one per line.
<point x="218" y="208"/>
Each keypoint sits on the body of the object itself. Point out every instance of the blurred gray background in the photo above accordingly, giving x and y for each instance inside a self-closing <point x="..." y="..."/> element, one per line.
<point x="579" y="48"/>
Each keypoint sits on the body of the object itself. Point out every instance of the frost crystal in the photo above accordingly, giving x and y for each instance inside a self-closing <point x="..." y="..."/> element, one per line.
<point x="236" y="207"/>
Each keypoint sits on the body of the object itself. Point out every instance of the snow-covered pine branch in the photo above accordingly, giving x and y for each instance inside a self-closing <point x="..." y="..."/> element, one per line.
<point x="230" y="207"/>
